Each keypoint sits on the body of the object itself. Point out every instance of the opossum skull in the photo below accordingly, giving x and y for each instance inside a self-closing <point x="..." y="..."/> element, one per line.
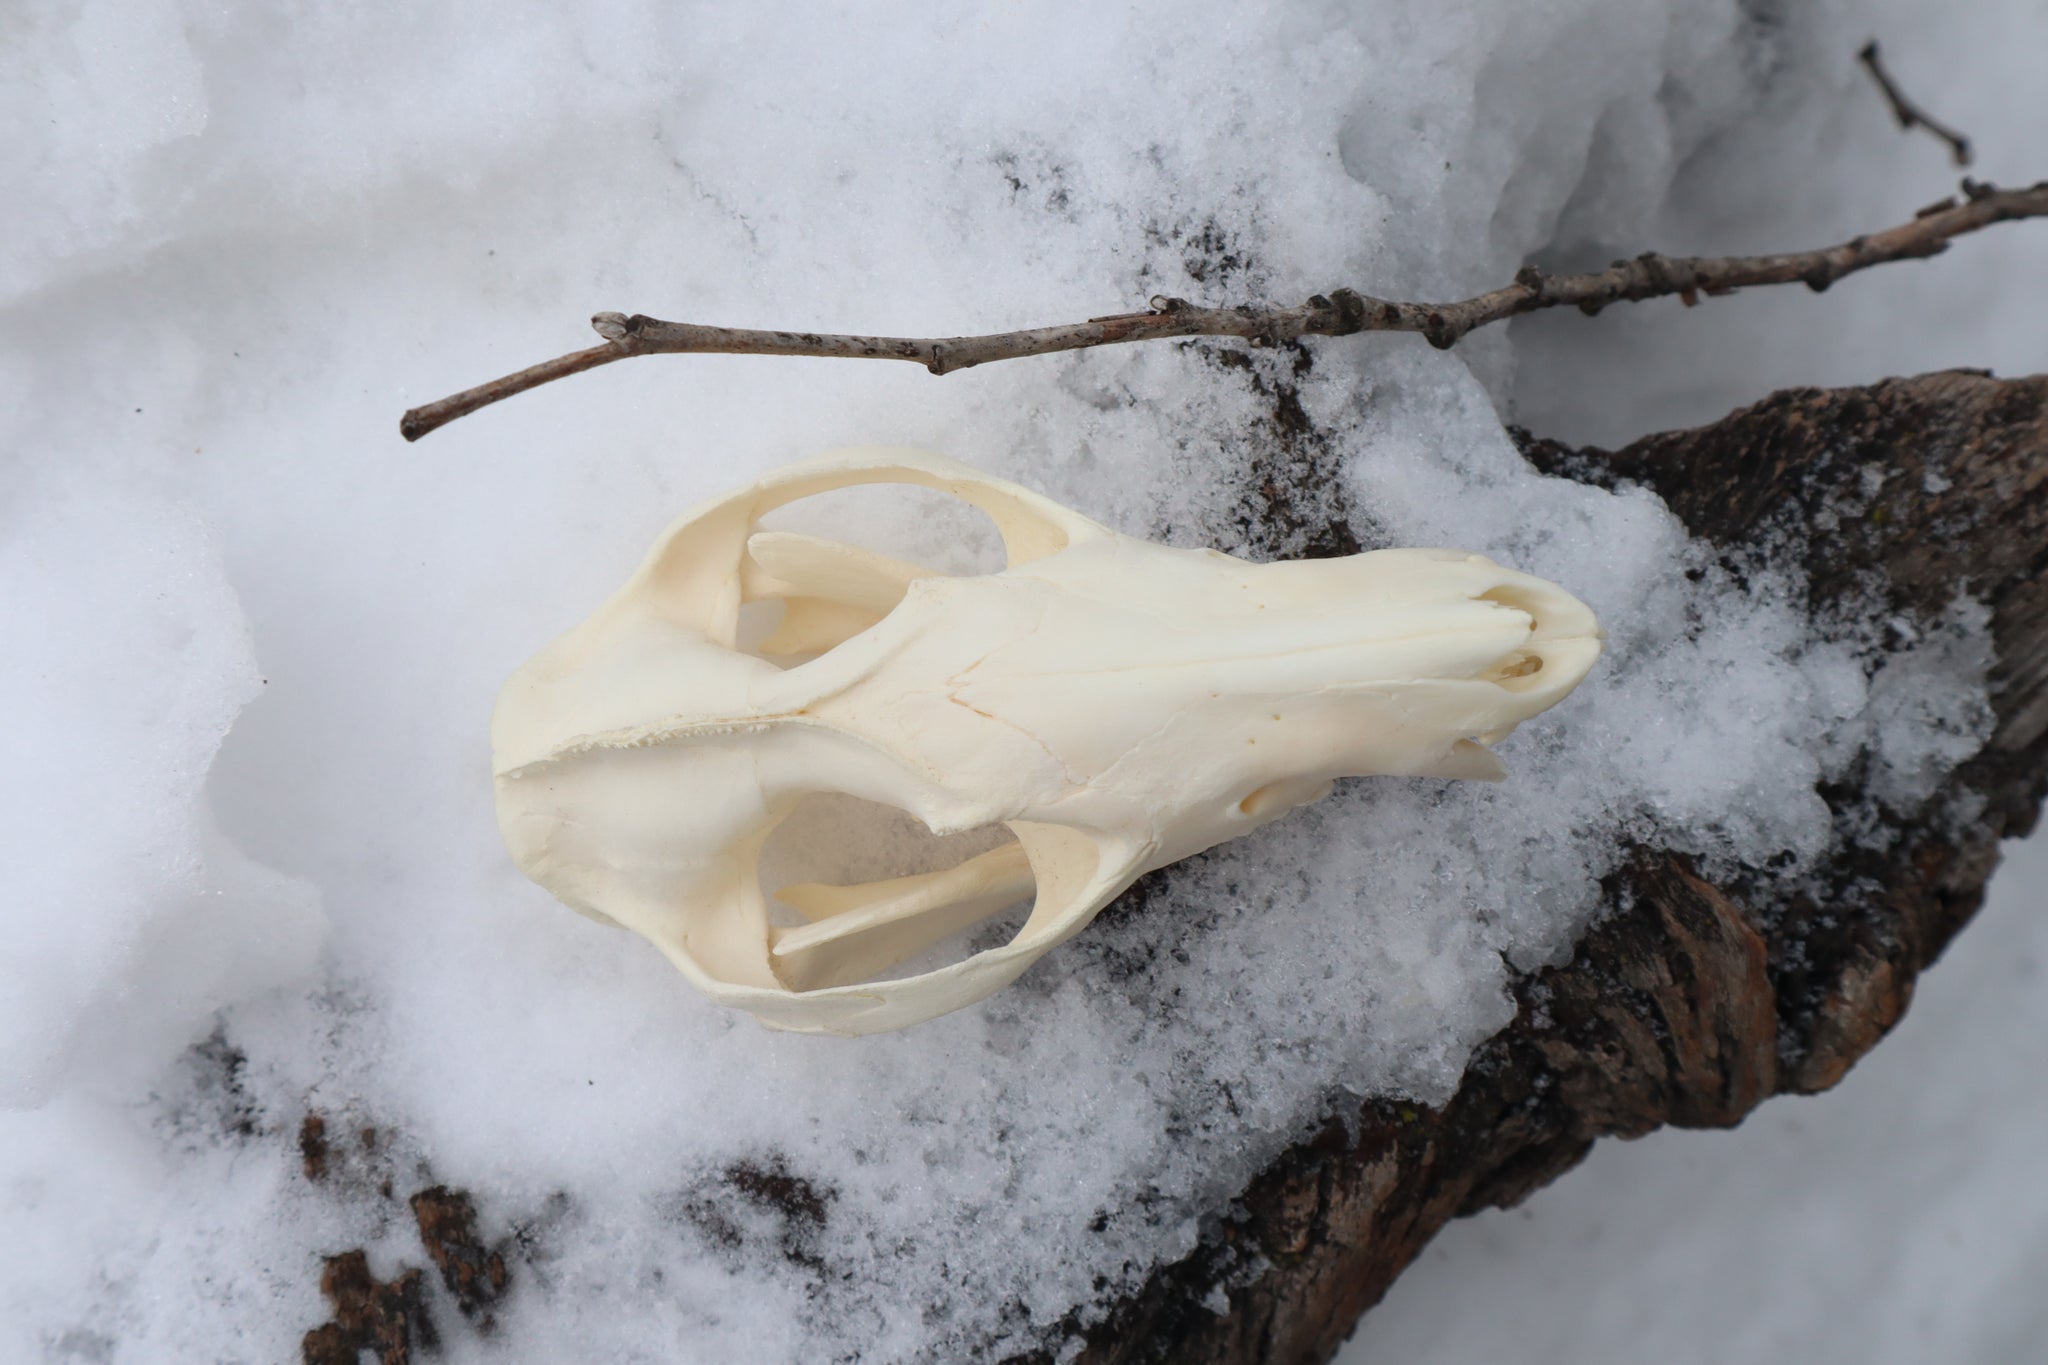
<point x="1116" y="704"/>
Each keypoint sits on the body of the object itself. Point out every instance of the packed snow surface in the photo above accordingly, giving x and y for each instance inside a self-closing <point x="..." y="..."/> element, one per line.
<point x="256" y="638"/>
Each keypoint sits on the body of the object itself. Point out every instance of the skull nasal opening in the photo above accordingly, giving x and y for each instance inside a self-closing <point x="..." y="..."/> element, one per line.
<point x="1520" y="670"/>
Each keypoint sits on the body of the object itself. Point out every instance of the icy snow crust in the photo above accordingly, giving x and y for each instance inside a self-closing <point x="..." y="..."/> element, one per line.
<point x="247" y="241"/>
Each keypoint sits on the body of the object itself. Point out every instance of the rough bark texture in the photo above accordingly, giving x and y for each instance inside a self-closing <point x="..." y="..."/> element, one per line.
<point x="1690" y="1003"/>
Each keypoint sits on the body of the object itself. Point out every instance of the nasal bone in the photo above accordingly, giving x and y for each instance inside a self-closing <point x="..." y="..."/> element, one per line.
<point x="1468" y="638"/>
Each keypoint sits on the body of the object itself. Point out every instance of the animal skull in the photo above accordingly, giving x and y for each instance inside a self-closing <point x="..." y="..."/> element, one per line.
<point x="1117" y="704"/>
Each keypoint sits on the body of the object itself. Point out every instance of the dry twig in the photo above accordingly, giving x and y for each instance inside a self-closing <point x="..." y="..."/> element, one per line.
<point x="1341" y="313"/>
<point x="1909" y="114"/>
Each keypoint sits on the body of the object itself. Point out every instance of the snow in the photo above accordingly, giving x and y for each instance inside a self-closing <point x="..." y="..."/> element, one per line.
<point x="133" y="919"/>
<point x="258" y="871"/>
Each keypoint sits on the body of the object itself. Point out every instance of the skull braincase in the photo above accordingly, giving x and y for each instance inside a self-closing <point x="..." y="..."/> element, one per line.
<point x="1115" y="703"/>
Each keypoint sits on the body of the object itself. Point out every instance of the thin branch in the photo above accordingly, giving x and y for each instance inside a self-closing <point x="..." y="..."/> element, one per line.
<point x="1909" y="114"/>
<point x="1340" y="313"/>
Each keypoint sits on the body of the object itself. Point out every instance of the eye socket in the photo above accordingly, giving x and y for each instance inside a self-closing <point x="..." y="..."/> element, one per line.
<point x="961" y="521"/>
<point x="820" y="570"/>
<point x="922" y="526"/>
<point x="860" y="892"/>
<point x="758" y="624"/>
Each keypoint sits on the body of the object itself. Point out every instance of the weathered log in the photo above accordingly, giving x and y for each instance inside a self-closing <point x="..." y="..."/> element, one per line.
<point x="1690" y="1003"/>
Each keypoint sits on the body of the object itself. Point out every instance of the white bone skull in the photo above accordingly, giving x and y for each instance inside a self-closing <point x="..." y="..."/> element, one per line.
<point x="1117" y="704"/>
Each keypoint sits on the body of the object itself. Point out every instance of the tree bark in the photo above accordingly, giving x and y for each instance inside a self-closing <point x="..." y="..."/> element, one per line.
<point x="1690" y="1003"/>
